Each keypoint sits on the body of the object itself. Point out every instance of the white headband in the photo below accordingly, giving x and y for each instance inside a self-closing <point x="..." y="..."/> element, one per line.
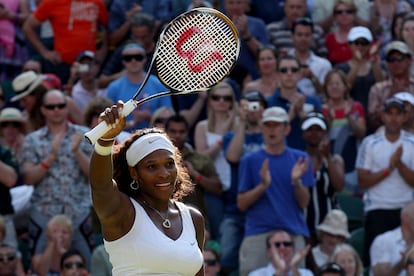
<point x="146" y="145"/>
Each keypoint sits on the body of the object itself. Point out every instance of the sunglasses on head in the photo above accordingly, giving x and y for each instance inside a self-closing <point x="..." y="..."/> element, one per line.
<point x="13" y="124"/>
<point x="224" y="98"/>
<point x="137" y="57"/>
<point x="70" y="265"/>
<point x="284" y="243"/>
<point x="361" y="42"/>
<point x="7" y="258"/>
<point x="285" y="70"/>
<point x="395" y="59"/>
<point x="337" y="12"/>
<point x="210" y="262"/>
<point x="54" y="106"/>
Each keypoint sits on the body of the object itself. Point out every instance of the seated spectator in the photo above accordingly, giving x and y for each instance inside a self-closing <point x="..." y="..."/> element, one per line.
<point x="10" y="263"/>
<point x="409" y="262"/>
<point x="72" y="263"/>
<point x="347" y="258"/>
<point x="283" y="259"/>
<point x="100" y="264"/>
<point x="331" y="232"/>
<point x="160" y="116"/>
<point x="331" y="269"/>
<point x="12" y="129"/>
<point x="211" y="261"/>
<point x="386" y="250"/>
<point x="59" y="240"/>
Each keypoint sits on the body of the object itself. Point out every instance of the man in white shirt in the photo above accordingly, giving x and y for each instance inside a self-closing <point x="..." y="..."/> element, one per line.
<point x="387" y="250"/>
<point x="385" y="165"/>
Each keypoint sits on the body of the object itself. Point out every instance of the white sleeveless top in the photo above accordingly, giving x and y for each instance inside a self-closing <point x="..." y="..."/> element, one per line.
<point x="145" y="250"/>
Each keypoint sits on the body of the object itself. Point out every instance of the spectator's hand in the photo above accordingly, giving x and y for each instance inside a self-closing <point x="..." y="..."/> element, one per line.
<point x="142" y="115"/>
<point x="396" y="157"/>
<point x="76" y="140"/>
<point x="349" y="104"/>
<point x="300" y="168"/>
<point x="241" y="24"/>
<point x="114" y="118"/>
<point x="264" y="173"/>
<point x="297" y="100"/>
<point x="300" y="255"/>
<point x="193" y="173"/>
<point x="129" y="14"/>
<point x="324" y="147"/>
<point x="243" y="109"/>
<point x="278" y="262"/>
<point x="52" y="56"/>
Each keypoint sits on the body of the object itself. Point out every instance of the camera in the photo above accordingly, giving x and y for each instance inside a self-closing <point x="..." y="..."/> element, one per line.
<point x="83" y="68"/>
<point x="253" y="106"/>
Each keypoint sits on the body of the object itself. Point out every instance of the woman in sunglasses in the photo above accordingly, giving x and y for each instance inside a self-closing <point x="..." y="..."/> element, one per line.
<point x="221" y="118"/>
<point x="344" y="12"/>
<point x="72" y="263"/>
<point x="364" y="69"/>
<point x="136" y="194"/>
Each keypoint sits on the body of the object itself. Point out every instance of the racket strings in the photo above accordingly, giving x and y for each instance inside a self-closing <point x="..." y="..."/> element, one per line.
<point x="196" y="51"/>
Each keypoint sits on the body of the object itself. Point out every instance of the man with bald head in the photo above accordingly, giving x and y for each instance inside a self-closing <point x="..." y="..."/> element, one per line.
<point x="55" y="160"/>
<point x="280" y="32"/>
<point x="387" y="248"/>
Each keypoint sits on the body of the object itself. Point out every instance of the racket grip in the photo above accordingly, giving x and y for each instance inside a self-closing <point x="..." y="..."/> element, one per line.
<point x="98" y="131"/>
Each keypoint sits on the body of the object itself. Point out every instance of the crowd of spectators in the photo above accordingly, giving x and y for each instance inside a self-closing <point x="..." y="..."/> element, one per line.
<point x="320" y="102"/>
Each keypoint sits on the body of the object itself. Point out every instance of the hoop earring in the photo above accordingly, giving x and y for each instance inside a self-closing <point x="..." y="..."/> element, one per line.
<point x="134" y="185"/>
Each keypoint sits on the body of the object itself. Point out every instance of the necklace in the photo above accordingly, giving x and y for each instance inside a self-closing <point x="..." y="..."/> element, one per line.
<point x="166" y="222"/>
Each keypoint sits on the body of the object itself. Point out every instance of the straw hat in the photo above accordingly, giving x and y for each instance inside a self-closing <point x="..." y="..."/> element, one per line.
<point x="335" y="223"/>
<point x="11" y="114"/>
<point x="25" y="83"/>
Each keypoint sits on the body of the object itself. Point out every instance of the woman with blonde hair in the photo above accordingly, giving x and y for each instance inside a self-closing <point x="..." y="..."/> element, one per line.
<point x="221" y="118"/>
<point x="344" y="12"/>
<point x="347" y="257"/>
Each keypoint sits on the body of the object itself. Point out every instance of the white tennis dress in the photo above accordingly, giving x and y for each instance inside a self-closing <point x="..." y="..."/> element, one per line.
<point x="145" y="250"/>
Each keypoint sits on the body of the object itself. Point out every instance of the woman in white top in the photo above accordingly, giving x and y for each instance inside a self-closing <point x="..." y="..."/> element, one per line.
<point x="136" y="193"/>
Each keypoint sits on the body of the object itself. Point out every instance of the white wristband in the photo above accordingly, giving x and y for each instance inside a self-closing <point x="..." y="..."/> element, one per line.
<point x="103" y="150"/>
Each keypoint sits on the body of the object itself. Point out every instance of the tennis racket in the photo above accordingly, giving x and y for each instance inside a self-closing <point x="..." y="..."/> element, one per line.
<point x="195" y="51"/>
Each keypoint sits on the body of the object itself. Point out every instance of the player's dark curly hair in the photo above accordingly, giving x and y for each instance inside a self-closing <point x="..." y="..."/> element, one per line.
<point x="123" y="178"/>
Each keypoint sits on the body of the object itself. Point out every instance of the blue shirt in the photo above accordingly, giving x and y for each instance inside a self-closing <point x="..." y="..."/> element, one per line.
<point x="123" y="89"/>
<point x="277" y="207"/>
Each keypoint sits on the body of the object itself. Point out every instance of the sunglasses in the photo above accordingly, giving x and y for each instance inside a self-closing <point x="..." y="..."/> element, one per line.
<point x="137" y="57"/>
<point x="285" y="70"/>
<point x="285" y="244"/>
<point x="395" y="59"/>
<point x="7" y="258"/>
<point x="13" y="124"/>
<point x="210" y="262"/>
<point x="54" y="106"/>
<point x="224" y="98"/>
<point x="362" y="42"/>
<point x="70" y="265"/>
<point x="337" y="12"/>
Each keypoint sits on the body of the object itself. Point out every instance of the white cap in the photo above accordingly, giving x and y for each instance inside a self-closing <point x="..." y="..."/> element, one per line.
<point x="275" y="114"/>
<point x="359" y="32"/>
<point x="405" y="97"/>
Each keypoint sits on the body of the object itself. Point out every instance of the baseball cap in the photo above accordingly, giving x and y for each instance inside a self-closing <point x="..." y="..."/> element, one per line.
<point x="314" y="118"/>
<point x="398" y="46"/>
<point x="275" y="114"/>
<point x="255" y="96"/>
<point x="393" y="101"/>
<point x="86" y="54"/>
<point x="359" y="32"/>
<point x="405" y="97"/>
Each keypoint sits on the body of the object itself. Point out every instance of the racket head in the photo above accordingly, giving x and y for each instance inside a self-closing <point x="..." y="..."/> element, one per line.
<point x="196" y="50"/>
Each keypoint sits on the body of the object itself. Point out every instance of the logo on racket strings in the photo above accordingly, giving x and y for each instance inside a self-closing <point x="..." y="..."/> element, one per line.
<point x="190" y="54"/>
